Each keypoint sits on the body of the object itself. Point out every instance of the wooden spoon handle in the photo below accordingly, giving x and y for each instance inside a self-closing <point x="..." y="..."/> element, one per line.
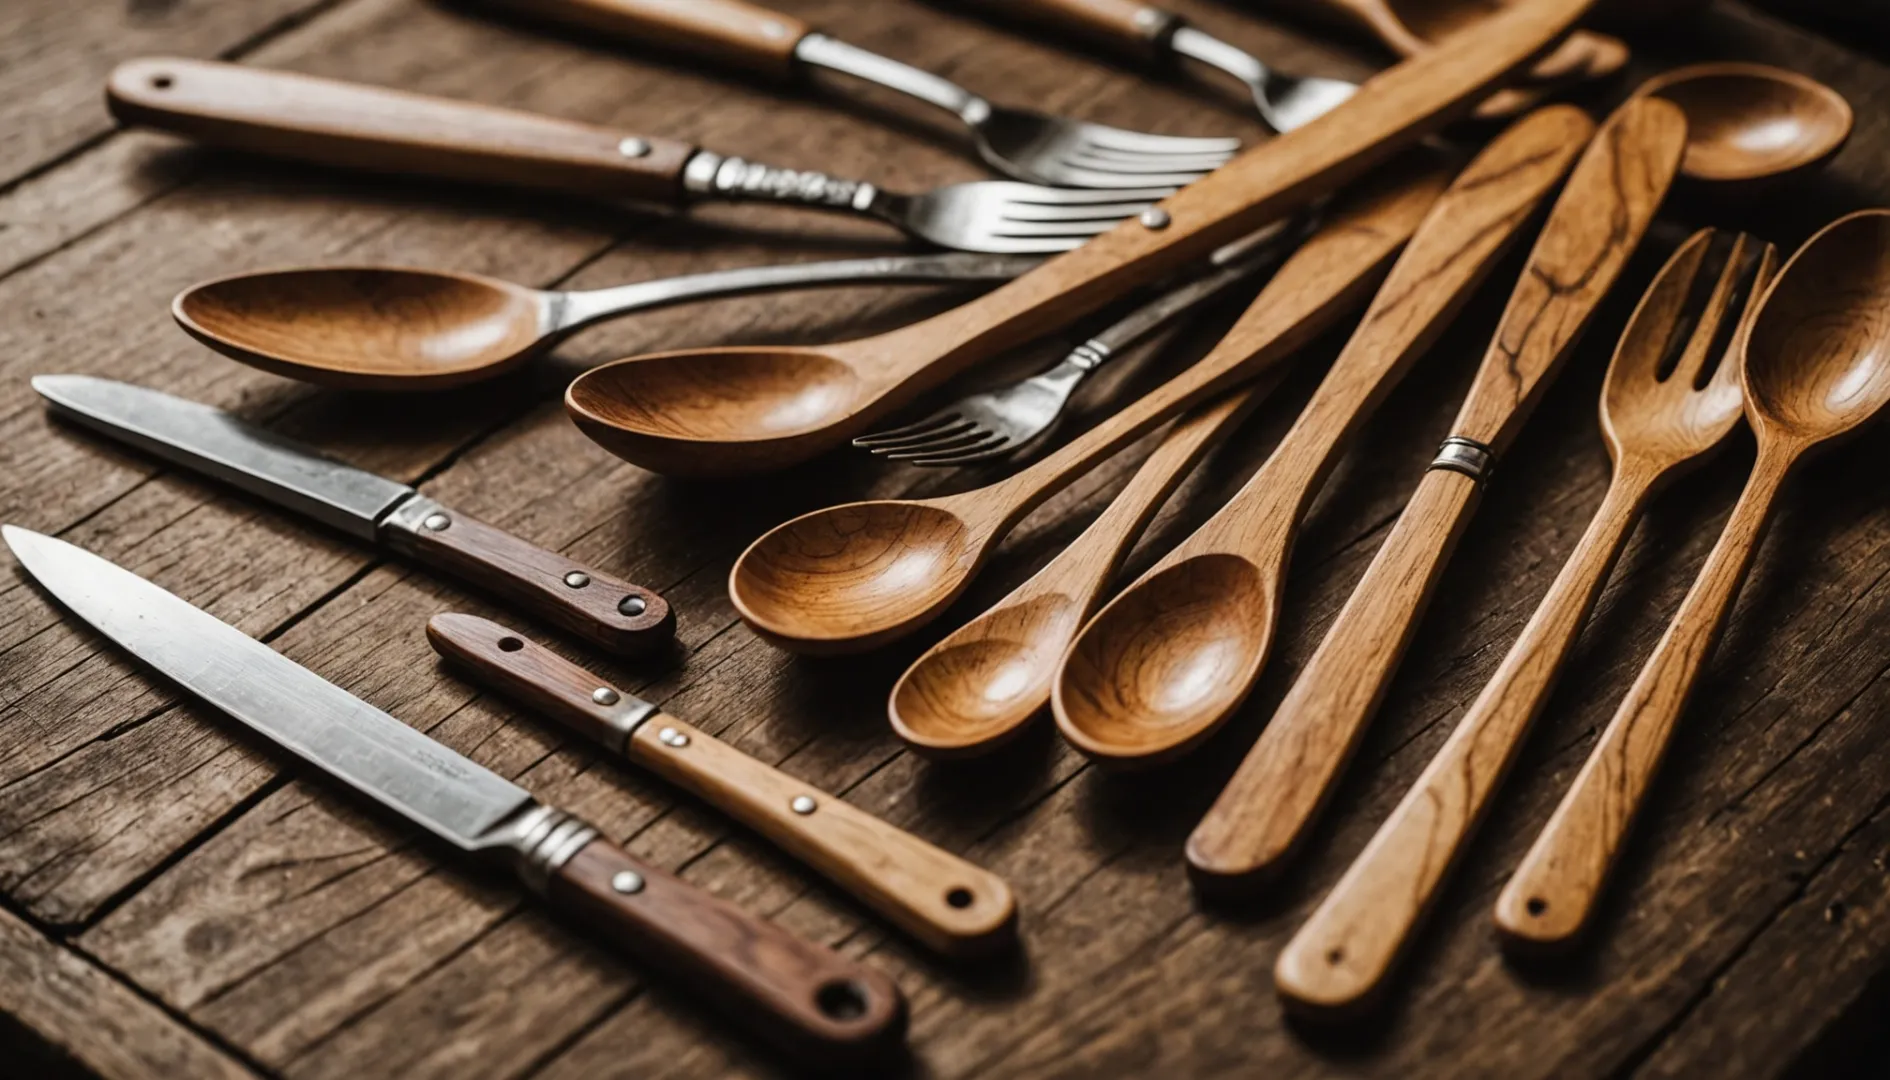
<point x="937" y="897"/>
<point x="1552" y="895"/>
<point x="825" y="1009"/>
<point x="366" y="127"/>
<point x="724" y="31"/>
<point x="1339" y="959"/>
<point x="1138" y="27"/>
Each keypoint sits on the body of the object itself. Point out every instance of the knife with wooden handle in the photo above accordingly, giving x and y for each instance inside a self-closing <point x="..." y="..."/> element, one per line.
<point x="828" y="1010"/>
<point x="616" y="615"/>
<point x="937" y="897"/>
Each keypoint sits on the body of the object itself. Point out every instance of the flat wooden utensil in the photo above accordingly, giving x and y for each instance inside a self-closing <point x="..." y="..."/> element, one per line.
<point x="1660" y="415"/>
<point x="855" y="576"/>
<point x="1265" y="812"/>
<point x="1166" y="662"/>
<point x="757" y="408"/>
<point x="1816" y="368"/>
<point x="937" y="897"/>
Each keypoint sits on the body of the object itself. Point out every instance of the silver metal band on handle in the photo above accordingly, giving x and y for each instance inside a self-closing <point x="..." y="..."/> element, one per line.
<point x="1467" y="456"/>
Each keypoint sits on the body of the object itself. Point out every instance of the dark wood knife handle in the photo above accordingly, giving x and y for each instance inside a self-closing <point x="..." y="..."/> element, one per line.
<point x="823" y="1008"/>
<point x="947" y="902"/>
<point x="328" y="122"/>
<point x="617" y="615"/>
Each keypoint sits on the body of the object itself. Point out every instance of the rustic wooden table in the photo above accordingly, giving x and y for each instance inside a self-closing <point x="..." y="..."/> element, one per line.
<point x="176" y="900"/>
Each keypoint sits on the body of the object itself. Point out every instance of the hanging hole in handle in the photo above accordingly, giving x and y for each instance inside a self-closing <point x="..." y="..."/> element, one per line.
<point x="510" y="644"/>
<point x="162" y="82"/>
<point x="959" y="898"/>
<point x="842" y="999"/>
<point x="1536" y="906"/>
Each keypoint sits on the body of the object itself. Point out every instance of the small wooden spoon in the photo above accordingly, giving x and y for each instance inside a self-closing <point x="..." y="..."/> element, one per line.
<point x="1660" y="416"/>
<point x="1751" y="123"/>
<point x="400" y="328"/>
<point x="852" y="577"/>
<point x="727" y="411"/>
<point x="1817" y="367"/>
<point x="1166" y="662"/>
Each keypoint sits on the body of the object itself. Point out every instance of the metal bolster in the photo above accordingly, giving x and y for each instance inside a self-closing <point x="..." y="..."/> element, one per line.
<point x="1467" y="456"/>
<point x="539" y="840"/>
<point x="1156" y="25"/>
<point x="624" y="722"/>
<point x="411" y="517"/>
<point x="714" y="175"/>
<point x="1090" y="355"/>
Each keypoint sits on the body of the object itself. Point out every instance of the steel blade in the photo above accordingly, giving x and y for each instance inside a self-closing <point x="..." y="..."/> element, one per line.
<point x="212" y="441"/>
<point x="455" y="798"/>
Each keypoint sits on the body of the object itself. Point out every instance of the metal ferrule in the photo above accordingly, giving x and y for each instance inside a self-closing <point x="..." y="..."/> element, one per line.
<point x="1467" y="456"/>
<point x="714" y="176"/>
<point x="623" y="721"/>
<point x="539" y="840"/>
<point x="410" y="517"/>
<point x="1090" y="355"/>
<point x="1156" y="25"/>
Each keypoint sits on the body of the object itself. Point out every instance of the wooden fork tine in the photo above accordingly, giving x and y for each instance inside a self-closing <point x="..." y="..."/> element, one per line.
<point x="1762" y="276"/>
<point x="1706" y="328"/>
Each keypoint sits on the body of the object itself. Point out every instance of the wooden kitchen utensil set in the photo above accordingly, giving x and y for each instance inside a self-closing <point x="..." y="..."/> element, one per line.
<point x="1133" y="674"/>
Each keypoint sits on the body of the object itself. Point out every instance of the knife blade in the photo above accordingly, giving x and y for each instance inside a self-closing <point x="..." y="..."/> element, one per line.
<point x="939" y="898"/>
<point x="619" y="616"/>
<point x="809" y="1000"/>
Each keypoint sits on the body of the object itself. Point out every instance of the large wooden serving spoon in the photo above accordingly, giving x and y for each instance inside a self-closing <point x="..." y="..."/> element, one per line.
<point x="1752" y="124"/>
<point x="1266" y="810"/>
<point x="1661" y="414"/>
<point x="734" y="410"/>
<point x="1817" y="367"/>
<point x="855" y="576"/>
<point x="1166" y="662"/>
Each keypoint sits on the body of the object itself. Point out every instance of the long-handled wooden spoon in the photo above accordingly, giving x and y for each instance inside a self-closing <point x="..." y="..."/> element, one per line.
<point x="733" y="410"/>
<point x="403" y="328"/>
<point x="1661" y="414"/>
<point x="1817" y="367"/>
<point x="935" y="896"/>
<point x="1752" y="124"/>
<point x="855" y="576"/>
<point x="1166" y="662"/>
<point x="1265" y="812"/>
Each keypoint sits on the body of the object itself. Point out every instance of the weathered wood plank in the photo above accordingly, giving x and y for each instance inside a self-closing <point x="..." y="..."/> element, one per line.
<point x="60" y="1014"/>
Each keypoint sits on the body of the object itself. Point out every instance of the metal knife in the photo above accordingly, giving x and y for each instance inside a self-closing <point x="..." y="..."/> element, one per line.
<point x="939" y="898"/>
<point x="808" y="1000"/>
<point x="619" y="616"/>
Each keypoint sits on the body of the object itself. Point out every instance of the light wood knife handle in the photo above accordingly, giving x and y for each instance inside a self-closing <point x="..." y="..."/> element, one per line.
<point x="823" y="1008"/>
<point x="1552" y="896"/>
<point x="723" y="31"/>
<point x="942" y="900"/>
<point x="617" y="615"/>
<point x="1142" y="28"/>
<point x="328" y="122"/>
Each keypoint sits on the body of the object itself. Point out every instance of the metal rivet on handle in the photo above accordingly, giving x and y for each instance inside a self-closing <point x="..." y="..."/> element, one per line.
<point x="604" y="695"/>
<point x="634" y="147"/>
<point x="437" y="522"/>
<point x="577" y="579"/>
<point x="803" y="804"/>
<point x="669" y="736"/>
<point x="633" y="606"/>
<point x="627" y="882"/>
<point x="1148" y="20"/>
<point x="772" y="29"/>
<point x="1155" y="218"/>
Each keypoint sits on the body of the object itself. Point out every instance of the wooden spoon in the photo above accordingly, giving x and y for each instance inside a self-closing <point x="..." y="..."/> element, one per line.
<point x="1265" y="812"/>
<point x="856" y="576"/>
<point x="1660" y="415"/>
<point x="1166" y="662"/>
<point x="1751" y="124"/>
<point x="400" y="328"/>
<point x="1817" y="367"/>
<point x="724" y="411"/>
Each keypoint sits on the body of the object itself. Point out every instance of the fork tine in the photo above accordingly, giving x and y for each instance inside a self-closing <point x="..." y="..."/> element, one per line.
<point x="1104" y="157"/>
<point x="1699" y="347"/>
<point x="883" y="444"/>
<point x="1070" y="176"/>
<point x="1727" y="374"/>
<point x="976" y="436"/>
<point x="1143" y="142"/>
<point x="1130" y="199"/>
<point x="994" y="244"/>
<point x="1012" y="211"/>
<point x="998" y="448"/>
<point x="925" y="424"/>
<point x="1052" y="228"/>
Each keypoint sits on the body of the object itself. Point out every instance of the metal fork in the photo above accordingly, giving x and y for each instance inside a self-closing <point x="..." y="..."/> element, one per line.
<point x="992" y="423"/>
<point x="999" y="217"/>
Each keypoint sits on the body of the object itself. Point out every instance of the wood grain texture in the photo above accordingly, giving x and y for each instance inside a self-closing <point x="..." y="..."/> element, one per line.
<point x="826" y="1011"/>
<point x="1167" y="661"/>
<point x="319" y="943"/>
<point x="1657" y="421"/>
<point x="1261" y="820"/>
<point x="328" y="122"/>
<point x="856" y="576"/>
<point x="624" y="618"/>
<point x="1816" y="366"/>
<point x="942" y="900"/>
<point x="731" y="32"/>
<point x="726" y="411"/>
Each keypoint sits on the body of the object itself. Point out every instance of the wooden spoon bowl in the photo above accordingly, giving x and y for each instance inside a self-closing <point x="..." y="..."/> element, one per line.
<point x="969" y="695"/>
<point x="367" y="327"/>
<point x="1751" y="123"/>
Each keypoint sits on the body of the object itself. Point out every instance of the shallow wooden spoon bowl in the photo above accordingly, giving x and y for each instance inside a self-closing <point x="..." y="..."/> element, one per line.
<point x="1752" y="123"/>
